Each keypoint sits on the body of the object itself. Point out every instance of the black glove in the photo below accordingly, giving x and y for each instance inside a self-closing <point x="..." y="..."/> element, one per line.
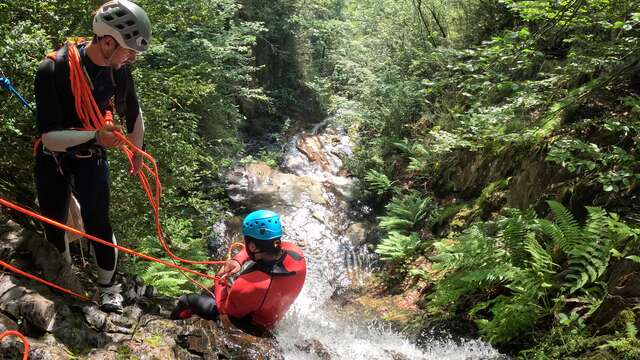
<point x="201" y="305"/>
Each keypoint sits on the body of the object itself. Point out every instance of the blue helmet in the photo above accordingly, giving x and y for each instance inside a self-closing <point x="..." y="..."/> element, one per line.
<point x="262" y="225"/>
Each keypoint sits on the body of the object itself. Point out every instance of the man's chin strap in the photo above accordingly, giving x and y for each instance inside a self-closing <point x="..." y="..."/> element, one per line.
<point x="108" y="59"/>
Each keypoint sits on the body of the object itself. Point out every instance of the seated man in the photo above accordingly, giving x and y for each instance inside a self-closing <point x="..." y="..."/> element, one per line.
<point x="259" y="284"/>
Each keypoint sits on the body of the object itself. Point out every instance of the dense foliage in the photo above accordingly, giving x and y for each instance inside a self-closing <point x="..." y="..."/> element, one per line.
<point x="497" y="139"/>
<point x="465" y="110"/>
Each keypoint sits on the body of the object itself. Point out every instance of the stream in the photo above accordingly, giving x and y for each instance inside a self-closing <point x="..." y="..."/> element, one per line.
<point x="312" y="191"/>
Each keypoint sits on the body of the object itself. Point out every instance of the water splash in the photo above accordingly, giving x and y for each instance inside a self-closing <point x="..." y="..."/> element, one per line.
<point x="315" y="327"/>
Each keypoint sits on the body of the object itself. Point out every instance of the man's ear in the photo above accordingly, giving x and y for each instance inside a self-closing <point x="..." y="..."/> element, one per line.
<point x="251" y="246"/>
<point x="276" y="244"/>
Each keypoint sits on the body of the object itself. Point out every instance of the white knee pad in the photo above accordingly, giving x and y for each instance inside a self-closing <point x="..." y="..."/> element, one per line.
<point x="106" y="276"/>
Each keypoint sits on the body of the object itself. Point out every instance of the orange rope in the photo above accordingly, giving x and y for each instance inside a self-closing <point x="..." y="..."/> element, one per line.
<point x="92" y="119"/>
<point x="33" y="277"/>
<point x="91" y="116"/>
<point x="93" y="238"/>
<point x="25" y="343"/>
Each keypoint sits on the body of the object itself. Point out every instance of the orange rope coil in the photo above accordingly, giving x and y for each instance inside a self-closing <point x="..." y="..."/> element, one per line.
<point x="93" y="120"/>
<point x="25" y="342"/>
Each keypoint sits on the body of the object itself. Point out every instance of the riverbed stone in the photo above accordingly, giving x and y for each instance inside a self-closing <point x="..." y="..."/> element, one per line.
<point x="315" y="347"/>
<point x="258" y="186"/>
<point x="357" y="234"/>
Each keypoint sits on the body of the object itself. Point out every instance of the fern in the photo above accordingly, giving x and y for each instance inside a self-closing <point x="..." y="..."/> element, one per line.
<point x="398" y="247"/>
<point x="516" y="230"/>
<point x="567" y="224"/>
<point x="404" y="212"/>
<point x="420" y="158"/>
<point x="589" y="259"/>
<point x="512" y="316"/>
<point x="377" y="182"/>
<point x="587" y="248"/>
<point x="470" y="263"/>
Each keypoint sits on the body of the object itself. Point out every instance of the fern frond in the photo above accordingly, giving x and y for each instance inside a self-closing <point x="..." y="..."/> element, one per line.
<point x="377" y="182"/>
<point x="556" y="235"/>
<point x="540" y="260"/>
<point x="589" y="258"/>
<point x="514" y="235"/>
<point x="567" y="223"/>
<point x="405" y="211"/>
<point x="398" y="247"/>
<point x="512" y="316"/>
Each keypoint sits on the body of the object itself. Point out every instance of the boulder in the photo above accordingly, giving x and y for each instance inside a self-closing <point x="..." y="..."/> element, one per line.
<point x="357" y="234"/>
<point x="21" y="302"/>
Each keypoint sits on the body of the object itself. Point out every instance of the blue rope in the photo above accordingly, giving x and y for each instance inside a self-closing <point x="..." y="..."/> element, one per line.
<point x="6" y="84"/>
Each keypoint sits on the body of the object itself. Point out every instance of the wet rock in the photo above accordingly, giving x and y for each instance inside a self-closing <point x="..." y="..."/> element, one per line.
<point x="117" y="323"/>
<point x="315" y="347"/>
<point x="441" y="329"/>
<point x="46" y="257"/>
<point x="396" y="355"/>
<point x="95" y="317"/>
<point x="19" y="301"/>
<point x="206" y="339"/>
<point x="132" y="312"/>
<point x="623" y="292"/>
<point x="357" y="234"/>
<point x="7" y="324"/>
<point x="11" y="239"/>
<point x="259" y="186"/>
<point x="39" y="310"/>
<point x="48" y="353"/>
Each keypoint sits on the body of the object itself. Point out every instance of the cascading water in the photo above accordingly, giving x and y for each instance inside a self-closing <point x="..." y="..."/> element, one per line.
<point x="311" y="193"/>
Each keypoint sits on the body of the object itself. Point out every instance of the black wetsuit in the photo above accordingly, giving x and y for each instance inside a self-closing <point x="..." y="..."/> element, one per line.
<point x="82" y="169"/>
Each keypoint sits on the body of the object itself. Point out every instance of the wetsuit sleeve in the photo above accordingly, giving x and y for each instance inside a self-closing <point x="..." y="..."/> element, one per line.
<point x="132" y="114"/>
<point x="137" y="135"/>
<point x="243" y="299"/>
<point x="49" y="113"/>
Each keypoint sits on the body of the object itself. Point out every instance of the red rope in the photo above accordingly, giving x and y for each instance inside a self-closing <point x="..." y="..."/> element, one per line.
<point x="93" y="238"/>
<point x="33" y="277"/>
<point x="25" y="343"/>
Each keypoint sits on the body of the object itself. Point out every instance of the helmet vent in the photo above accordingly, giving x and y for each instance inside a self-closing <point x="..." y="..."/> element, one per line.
<point x="121" y="13"/>
<point x="136" y="33"/>
<point x="128" y="36"/>
<point x="120" y="26"/>
<point x="130" y="23"/>
<point x="108" y="17"/>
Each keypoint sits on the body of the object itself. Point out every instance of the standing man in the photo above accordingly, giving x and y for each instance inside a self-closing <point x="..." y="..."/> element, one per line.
<point x="259" y="284"/>
<point x="72" y="161"/>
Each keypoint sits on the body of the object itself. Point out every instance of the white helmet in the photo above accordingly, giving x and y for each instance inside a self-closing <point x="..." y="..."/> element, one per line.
<point x="124" y="21"/>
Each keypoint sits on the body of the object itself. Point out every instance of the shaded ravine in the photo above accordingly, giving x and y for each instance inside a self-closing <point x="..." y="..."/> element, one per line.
<point x="312" y="192"/>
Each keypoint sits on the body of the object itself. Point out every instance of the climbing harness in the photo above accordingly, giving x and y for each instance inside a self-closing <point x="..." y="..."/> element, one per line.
<point x="93" y="120"/>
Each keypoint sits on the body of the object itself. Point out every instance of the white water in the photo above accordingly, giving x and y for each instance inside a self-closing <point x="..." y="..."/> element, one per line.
<point x="319" y="222"/>
<point x="315" y="328"/>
